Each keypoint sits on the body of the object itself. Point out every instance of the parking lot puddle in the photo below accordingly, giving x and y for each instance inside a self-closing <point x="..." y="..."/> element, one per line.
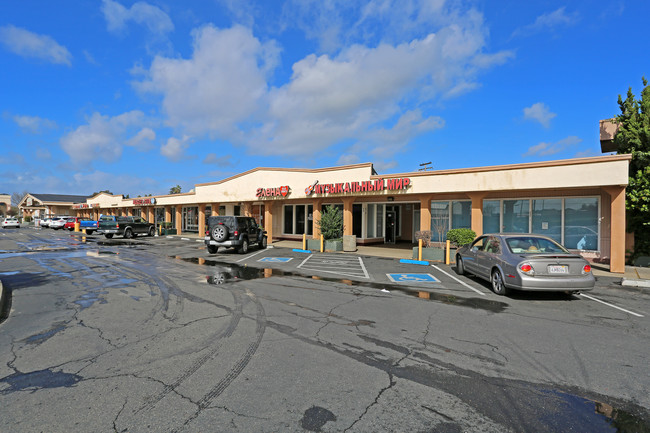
<point x="40" y="379"/>
<point x="231" y="273"/>
<point x="597" y="416"/>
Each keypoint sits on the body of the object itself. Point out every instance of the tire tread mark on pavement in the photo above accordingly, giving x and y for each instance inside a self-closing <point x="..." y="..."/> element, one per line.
<point x="237" y="314"/>
<point x="239" y="366"/>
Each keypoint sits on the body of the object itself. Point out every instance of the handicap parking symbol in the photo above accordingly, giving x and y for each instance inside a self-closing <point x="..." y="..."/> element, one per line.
<point x="275" y="259"/>
<point x="412" y="278"/>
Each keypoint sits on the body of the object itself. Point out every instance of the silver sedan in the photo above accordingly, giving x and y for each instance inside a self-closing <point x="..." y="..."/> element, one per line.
<point x="524" y="262"/>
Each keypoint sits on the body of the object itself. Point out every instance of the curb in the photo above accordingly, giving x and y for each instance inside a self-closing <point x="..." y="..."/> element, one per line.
<point x="635" y="283"/>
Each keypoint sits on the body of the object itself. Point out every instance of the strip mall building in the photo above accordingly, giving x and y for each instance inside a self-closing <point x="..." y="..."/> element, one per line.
<point x="579" y="202"/>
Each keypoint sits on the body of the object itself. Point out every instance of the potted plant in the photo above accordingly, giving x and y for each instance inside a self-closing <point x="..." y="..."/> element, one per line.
<point x="331" y="227"/>
<point x="166" y="228"/>
<point x="429" y="249"/>
<point x="459" y="238"/>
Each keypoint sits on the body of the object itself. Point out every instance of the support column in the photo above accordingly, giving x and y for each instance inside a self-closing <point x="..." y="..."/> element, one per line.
<point x="617" y="231"/>
<point x="201" y="219"/>
<point x="129" y="211"/>
<point x="347" y="215"/>
<point x="215" y="209"/>
<point x="477" y="211"/>
<point x="317" y="204"/>
<point x="268" y="220"/>
<point x="168" y="214"/>
<point x="179" y="219"/>
<point x="425" y="213"/>
<point x="150" y="215"/>
<point x="248" y="209"/>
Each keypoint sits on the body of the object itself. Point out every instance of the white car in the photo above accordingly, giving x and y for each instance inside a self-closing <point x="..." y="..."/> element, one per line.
<point x="10" y="222"/>
<point x="46" y="222"/>
<point x="58" y="222"/>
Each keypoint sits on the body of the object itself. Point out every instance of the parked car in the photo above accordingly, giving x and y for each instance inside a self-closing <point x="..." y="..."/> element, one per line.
<point x="524" y="262"/>
<point x="84" y="223"/>
<point x="233" y="231"/>
<point x="11" y="222"/>
<point x="127" y="226"/>
<point x="45" y="222"/>
<point x="58" y="222"/>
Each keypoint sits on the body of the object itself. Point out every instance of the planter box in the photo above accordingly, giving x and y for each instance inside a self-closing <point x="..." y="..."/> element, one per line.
<point x="313" y="244"/>
<point x="164" y="232"/>
<point x="334" y="245"/>
<point x="435" y="254"/>
<point x="349" y="243"/>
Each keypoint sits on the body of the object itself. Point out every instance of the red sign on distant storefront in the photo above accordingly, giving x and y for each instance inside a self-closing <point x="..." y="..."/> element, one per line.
<point x="280" y="191"/>
<point x="144" y="201"/>
<point x="363" y="186"/>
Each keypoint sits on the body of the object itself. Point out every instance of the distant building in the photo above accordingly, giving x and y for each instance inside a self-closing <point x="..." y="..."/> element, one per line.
<point x="40" y="205"/>
<point x="5" y="203"/>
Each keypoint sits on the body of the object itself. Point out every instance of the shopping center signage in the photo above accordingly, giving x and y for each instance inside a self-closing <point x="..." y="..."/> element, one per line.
<point x="144" y="201"/>
<point x="377" y="185"/>
<point x="84" y="205"/>
<point x="280" y="191"/>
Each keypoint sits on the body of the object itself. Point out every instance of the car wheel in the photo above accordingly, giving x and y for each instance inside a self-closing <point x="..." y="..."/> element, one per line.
<point x="264" y="242"/>
<point x="90" y="232"/>
<point x="244" y="246"/>
<point x="498" y="285"/>
<point x="152" y="231"/>
<point x="128" y="234"/>
<point x="460" y="267"/>
<point x="212" y="249"/>
<point x="220" y="233"/>
<point x="108" y="235"/>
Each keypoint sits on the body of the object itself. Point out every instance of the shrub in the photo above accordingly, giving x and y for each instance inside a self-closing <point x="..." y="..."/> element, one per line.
<point x="331" y="223"/>
<point x="460" y="237"/>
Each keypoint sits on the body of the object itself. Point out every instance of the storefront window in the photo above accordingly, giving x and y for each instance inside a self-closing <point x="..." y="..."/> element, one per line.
<point x="491" y="216"/>
<point x="288" y="219"/>
<point x="461" y="214"/>
<point x="439" y="220"/>
<point x="515" y="216"/>
<point x="370" y="220"/>
<point x="300" y="219"/>
<point x="379" y="221"/>
<point x="310" y="219"/>
<point x="581" y="223"/>
<point x="547" y="218"/>
<point x="190" y="219"/>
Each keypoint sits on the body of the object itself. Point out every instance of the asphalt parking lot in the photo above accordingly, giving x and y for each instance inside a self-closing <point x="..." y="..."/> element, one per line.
<point x="432" y="281"/>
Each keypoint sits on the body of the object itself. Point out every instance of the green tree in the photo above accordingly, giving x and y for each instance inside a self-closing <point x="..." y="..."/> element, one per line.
<point x="175" y="189"/>
<point x="331" y="223"/>
<point x="633" y="137"/>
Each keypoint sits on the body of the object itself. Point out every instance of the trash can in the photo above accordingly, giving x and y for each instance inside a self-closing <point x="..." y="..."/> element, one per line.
<point x="349" y="243"/>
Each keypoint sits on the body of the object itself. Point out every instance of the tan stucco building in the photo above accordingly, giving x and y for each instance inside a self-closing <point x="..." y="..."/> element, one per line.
<point x="579" y="202"/>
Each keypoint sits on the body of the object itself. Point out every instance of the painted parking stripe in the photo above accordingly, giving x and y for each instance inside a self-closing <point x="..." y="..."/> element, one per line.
<point x="350" y="267"/>
<point x="461" y="282"/>
<point x="412" y="278"/>
<point x="248" y="257"/>
<point x="610" y="305"/>
<point x="275" y="259"/>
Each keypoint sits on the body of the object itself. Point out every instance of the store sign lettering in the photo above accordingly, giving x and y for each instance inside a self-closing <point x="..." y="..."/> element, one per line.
<point x="144" y="201"/>
<point x="280" y="191"/>
<point x="84" y="205"/>
<point x="364" y="186"/>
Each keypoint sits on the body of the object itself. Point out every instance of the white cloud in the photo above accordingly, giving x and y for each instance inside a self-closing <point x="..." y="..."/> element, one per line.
<point x="224" y="82"/>
<point x="117" y="183"/>
<point x="348" y="159"/>
<point x="33" y="124"/>
<point x="222" y="90"/>
<point x="221" y="161"/>
<point x="174" y="149"/>
<point x="539" y="112"/>
<point x="548" y="21"/>
<point x="543" y="149"/>
<point x="101" y="138"/>
<point x="29" y="44"/>
<point x="142" y="140"/>
<point x="152" y="17"/>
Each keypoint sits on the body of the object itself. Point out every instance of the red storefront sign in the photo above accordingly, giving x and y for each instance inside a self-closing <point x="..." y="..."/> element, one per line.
<point x="280" y="191"/>
<point x="363" y="186"/>
<point x="144" y="201"/>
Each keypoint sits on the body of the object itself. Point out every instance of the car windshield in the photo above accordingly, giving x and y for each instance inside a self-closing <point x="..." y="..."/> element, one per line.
<point x="534" y="245"/>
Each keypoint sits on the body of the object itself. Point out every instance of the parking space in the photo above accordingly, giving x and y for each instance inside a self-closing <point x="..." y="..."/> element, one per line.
<point x="337" y="264"/>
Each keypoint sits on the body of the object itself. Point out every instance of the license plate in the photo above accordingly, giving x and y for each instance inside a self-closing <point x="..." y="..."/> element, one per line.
<point x="558" y="269"/>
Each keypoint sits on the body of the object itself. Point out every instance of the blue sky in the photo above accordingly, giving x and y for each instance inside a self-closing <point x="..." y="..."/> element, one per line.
<point x="137" y="97"/>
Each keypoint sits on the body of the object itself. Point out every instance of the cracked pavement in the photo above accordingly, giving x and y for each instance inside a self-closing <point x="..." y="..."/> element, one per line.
<point x="122" y="336"/>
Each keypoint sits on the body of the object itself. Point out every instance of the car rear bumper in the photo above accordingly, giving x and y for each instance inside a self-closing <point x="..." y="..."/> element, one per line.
<point x="229" y="243"/>
<point x="108" y="231"/>
<point x="583" y="282"/>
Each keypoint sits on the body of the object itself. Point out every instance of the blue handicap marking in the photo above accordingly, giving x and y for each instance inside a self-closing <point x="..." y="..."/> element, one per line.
<point x="275" y="259"/>
<point x="413" y="278"/>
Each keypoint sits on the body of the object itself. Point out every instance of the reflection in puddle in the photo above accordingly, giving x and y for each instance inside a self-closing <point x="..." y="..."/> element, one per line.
<point x="230" y="272"/>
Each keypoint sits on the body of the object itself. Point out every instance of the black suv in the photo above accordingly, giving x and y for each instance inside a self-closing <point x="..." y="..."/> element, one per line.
<point x="233" y="231"/>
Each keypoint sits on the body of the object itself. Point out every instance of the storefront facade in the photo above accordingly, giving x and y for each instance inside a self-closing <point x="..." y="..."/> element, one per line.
<point x="579" y="202"/>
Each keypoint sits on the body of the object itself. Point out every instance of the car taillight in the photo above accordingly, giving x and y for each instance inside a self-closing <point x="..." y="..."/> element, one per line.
<point x="586" y="269"/>
<point x="236" y="233"/>
<point x="117" y="226"/>
<point x="527" y="269"/>
<point x="207" y="232"/>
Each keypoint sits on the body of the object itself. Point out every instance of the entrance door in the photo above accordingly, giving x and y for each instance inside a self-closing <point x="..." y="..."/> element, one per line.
<point x="390" y="227"/>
